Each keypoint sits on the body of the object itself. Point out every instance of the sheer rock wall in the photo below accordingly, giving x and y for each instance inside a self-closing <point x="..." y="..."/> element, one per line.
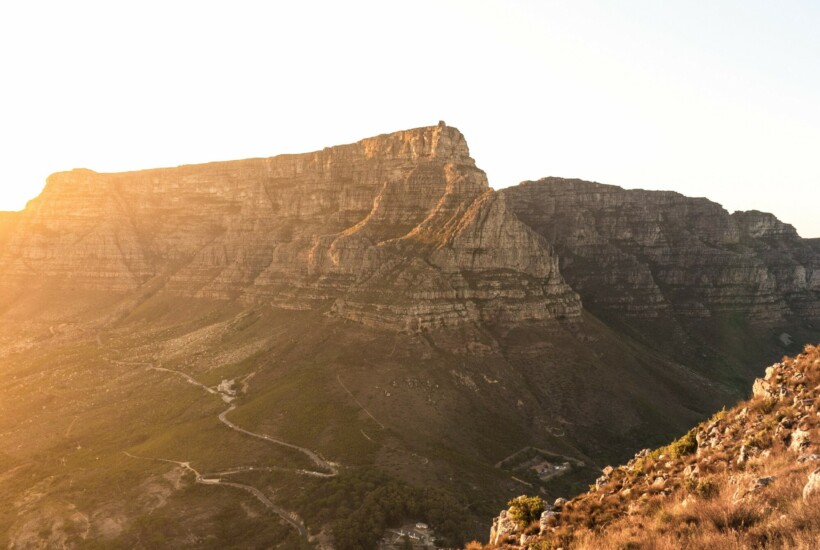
<point x="400" y="230"/>
<point x="651" y="253"/>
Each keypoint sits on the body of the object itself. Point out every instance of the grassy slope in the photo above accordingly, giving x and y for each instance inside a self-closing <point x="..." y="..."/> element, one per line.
<point x="699" y="493"/>
<point x="444" y="415"/>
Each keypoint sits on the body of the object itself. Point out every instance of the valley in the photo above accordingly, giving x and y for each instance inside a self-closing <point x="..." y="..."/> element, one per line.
<point x="311" y="350"/>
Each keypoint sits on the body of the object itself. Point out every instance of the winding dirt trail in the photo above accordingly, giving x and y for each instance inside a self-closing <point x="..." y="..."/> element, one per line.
<point x="329" y="469"/>
<point x="291" y="518"/>
<point x="332" y="469"/>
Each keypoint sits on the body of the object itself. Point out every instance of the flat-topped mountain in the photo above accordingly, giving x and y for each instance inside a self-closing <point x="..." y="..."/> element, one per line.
<point x="307" y="350"/>
<point x="400" y="230"/>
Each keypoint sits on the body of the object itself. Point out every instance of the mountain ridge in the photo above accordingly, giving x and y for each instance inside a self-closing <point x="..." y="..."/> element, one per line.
<point x="300" y="229"/>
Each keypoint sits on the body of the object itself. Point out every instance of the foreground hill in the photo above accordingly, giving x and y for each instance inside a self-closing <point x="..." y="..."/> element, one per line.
<point x="747" y="478"/>
<point x="308" y="349"/>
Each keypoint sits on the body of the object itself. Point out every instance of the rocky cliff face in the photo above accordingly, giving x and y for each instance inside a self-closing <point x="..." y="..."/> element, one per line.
<point x="651" y="253"/>
<point x="400" y="230"/>
<point x="7" y="222"/>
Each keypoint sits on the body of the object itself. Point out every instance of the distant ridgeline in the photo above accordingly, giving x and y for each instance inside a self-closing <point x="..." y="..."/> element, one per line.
<point x="403" y="231"/>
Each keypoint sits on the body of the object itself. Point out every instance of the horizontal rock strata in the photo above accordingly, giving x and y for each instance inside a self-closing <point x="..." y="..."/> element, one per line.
<point x="650" y="253"/>
<point x="400" y="230"/>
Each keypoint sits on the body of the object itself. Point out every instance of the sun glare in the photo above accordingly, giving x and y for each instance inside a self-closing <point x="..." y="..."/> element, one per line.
<point x="15" y="198"/>
<point x="705" y="101"/>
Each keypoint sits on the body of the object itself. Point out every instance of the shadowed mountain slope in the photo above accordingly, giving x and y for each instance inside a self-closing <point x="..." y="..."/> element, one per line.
<point x="654" y="253"/>
<point x="717" y="291"/>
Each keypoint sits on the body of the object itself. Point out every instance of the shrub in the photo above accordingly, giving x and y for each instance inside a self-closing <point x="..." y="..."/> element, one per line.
<point x="764" y="406"/>
<point x="679" y="448"/>
<point x="684" y="446"/>
<point x="706" y="488"/>
<point x="718" y="416"/>
<point x="691" y="485"/>
<point x="762" y="439"/>
<point x="524" y="510"/>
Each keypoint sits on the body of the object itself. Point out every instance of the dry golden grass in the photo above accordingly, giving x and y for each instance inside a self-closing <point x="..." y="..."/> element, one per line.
<point x="725" y="503"/>
<point x="775" y="517"/>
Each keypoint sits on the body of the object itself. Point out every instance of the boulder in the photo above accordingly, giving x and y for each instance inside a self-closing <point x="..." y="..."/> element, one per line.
<point x="761" y="389"/>
<point x="798" y="440"/>
<point x="812" y="489"/>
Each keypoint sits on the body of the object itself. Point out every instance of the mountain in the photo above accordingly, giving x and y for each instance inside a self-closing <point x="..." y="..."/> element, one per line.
<point x="346" y="340"/>
<point x="647" y="254"/>
<point x="748" y="478"/>
<point x="678" y="271"/>
<point x="400" y="231"/>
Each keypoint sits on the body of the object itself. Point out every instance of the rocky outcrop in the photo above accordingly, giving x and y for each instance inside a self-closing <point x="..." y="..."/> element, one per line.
<point x="735" y="460"/>
<point x="400" y="230"/>
<point x="503" y="528"/>
<point x="655" y="253"/>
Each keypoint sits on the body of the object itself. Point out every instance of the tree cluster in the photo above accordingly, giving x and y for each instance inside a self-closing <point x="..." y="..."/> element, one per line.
<point x="362" y="505"/>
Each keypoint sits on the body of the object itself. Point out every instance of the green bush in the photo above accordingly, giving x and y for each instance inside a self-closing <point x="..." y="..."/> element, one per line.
<point x="718" y="416"/>
<point x="707" y="489"/>
<point x="524" y="510"/>
<point x="684" y="446"/>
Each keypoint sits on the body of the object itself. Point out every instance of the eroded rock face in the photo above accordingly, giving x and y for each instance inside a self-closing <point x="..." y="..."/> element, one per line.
<point x="651" y="253"/>
<point x="7" y="222"/>
<point x="503" y="527"/>
<point x="400" y="230"/>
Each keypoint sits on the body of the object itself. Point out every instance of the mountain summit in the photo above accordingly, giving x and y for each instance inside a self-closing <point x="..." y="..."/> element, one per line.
<point x="400" y="231"/>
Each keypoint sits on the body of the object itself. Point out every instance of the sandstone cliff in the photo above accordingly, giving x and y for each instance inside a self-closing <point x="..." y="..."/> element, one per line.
<point x="654" y="253"/>
<point x="7" y="222"/>
<point x="400" y="230"/>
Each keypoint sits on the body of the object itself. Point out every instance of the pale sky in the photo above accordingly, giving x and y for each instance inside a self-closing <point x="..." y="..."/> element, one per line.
<point x="708" y="98"/>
